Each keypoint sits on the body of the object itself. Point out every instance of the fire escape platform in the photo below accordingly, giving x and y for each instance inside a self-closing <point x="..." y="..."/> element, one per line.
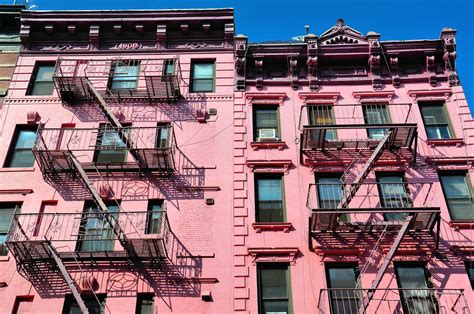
<point x="314" y="137"/>
<point x="329" y="220"/>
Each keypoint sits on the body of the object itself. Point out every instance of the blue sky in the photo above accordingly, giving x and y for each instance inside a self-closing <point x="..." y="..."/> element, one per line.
<point x="264" y="20"/>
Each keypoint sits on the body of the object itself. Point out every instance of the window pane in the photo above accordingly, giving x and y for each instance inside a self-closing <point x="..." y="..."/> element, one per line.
<point x="26" y="139"/>
<point x="275" y="307"/>
<point x="438" y="132"/>
<point x="322" y="115"/>
<point x="145" y="304"/>
<point x="376" y="114"/>
<point x="6" y="215"/>
<point x="96" y="233"/>
<point x="458" y="196"/>
<point x="45" y="73"/>
<point x="94" y="306"/>
<point x="266" y="118"/>
<point x="22" y="158"/>
<point x="203" y="85"/>
<point x="162" y="137"/>
<point x="433" y="115"/>
<point x="42" y="88"/>
<point x="273" y="288"/>
<point x="125" y="76"/>
<point x="329" y="192"/>
<point x="342" y="277"/>
<point x="269" y="189"/>
<point x="455" y="186"/>
<point x="154" y="217"/>
<point x="203" y="70"/>
<point x="393" y="194"/>
<point x="416" y="299"/>
<point x="43" y="81"/>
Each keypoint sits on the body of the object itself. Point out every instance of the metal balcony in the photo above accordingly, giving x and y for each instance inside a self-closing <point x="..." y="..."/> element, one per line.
<point x="374" y="207"/>
<point x="346" y="129"/>
<point x="106" y="149"/>
<point x="118" y="79"/>
<point x="393" y="300"/>
<point x="87" y="235"/>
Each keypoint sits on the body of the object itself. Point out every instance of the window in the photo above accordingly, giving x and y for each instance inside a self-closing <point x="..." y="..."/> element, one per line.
<point x="23" y="304"/>
<point x="274" y="291"/>
<point x="342" y="281"/>
<point x="124" y="76"/>
<point x="145" y="303"/>
<point x="154" y="215"/>
<point x="266" y="124"/>
<point x="168" y="67"/>
<point x="202" y="76"/>
<point x="269" y="195"/>
<point x="323" y="115"/>
<point x="330" y="191"/>
<point x="20" y="153"/>
<point x="376" y="114"/>
<point x="458" y="195"/>
<point x="110" y="147"/>
<point x="95" y="232"/>
<point x="6" y="216"/>
<point x="95" y="306"/>
<point x="393" y="193"/>
<point x="163" y="133"/>
<point x="435" y="120"/>
<point x="416" y="297"/>
<point x="42" y="80"/>
<point x="470" y="271"/>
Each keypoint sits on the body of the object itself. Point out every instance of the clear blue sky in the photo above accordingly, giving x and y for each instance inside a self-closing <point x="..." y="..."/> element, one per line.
<point x="282" y="19"/>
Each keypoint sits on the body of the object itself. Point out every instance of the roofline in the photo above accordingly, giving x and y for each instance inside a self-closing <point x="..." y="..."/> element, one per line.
<point x="131" y="11"/>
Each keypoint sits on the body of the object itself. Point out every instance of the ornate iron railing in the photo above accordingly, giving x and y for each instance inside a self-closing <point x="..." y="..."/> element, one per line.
<point x="393" y="300"/>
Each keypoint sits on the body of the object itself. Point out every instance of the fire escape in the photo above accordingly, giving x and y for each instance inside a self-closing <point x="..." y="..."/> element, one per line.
<point x="347" y="209"/>
<point x="60" y="155"/>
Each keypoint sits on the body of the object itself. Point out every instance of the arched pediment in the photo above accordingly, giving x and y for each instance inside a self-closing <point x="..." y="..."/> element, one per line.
<point x="341" y="34"/>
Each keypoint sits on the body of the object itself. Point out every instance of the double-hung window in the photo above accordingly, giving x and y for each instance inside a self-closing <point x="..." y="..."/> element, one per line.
<point x="330" y="191"/>
<point x="124" y="75"/>
<point x="274" y="289"/>
<point x="458" y="195"/>
<point x="6" y="216"/>
<point x="269" y="194"/>
<point x="95" y="303"/>
<point x="416" y="297"/>
<point x="110" y="148"/>
<point x="342" y="283"/>
<point x="20" y="153"/>
<point x="154" y="217"/>
<point x="145" y="303"/>
<point x="168" y="67"/>
<point x="42" y="80"/>
<point x="373" y="115"/>
<point x="436" y="121"/>
<point x="319" y="115"/>
<point x="266" y="124"/>
<point x="163" y="134"/>
<point x="393" y="193"/>
<point x="95" y="232"/>
<point x="202" y="76"/>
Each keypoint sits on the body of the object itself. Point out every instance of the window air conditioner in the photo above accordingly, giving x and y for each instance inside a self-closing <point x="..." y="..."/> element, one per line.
<point x="267" y="135"/>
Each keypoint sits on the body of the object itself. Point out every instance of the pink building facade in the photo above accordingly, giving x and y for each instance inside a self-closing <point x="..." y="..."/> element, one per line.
<point x="153" y="162"/>
<point x="122" y="206"/>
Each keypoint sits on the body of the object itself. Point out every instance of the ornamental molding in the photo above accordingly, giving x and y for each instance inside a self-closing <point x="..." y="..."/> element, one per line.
<point x="266" y="98"/>
<point x="274" y="255"/>
<point x="320" y="98"/>
<point x="269" y="166"/>
<point x="32" y="100"/>
<point x="342" y="34"/>
<point x="374" y="96"/>
<point x="432" y="94"/>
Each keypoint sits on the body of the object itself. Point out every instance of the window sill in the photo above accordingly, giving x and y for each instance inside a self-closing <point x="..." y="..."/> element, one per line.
<point x="18" y="169"/>
<point x="280" y="145"/>
<point x="275" y="226"/>
<point x="446" y="142"/>
<point x="4" y="258"/>
<point x="462" y="224"/>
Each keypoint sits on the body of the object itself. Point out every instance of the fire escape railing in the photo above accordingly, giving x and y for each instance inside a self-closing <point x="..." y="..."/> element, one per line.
<point x="374" y="206"/>
<point x="393" y="300"/>
<point x="152" y="148"/>
<point x="118" y="79"/>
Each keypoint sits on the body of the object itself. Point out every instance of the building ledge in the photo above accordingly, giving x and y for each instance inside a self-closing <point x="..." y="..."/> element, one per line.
<point x="17" y="191"/>
<point x="374" y="96"/>
<point x="266" y="98"/>
<point x="280" y="145"/>
<point x="269" y="166"/>
<point x="325" y="251"/>
<point x="275" y="226"/>
<point x="462" y="224"/>
<point x="14" y="169"/>
<point x="319" y="98"/>
<point x="4" y="258"/>
<point x="446" y="142"/>
<point x="274" y="255"/>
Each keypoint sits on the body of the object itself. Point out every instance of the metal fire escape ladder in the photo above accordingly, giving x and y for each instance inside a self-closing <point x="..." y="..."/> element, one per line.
<point x="70" y="282"/>
<point x="388" y="259"/>
<point x="111" y="219"/>
<point x="122" y="133"/>
<point x="354" y="187"/>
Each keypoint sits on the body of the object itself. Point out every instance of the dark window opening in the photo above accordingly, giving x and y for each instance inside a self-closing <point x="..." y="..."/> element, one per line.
<point x="42" y="80"/>
<point x="269" y="198"/>
<point x="202" y="76"/>
<point x="266" y="124"/>
<point x="20" y="153"/>
<point x="274" y="289"/>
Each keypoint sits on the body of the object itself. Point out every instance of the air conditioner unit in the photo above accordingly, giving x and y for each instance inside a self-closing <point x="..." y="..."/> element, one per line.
<point x="267" y="135"/>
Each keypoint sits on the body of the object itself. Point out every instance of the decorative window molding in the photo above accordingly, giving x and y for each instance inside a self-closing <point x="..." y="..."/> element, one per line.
<point x="320" y="98"/>
<point x="429" y="95"/>
<point x="327" y="251"/>
<point x="274" y="255"/>
<point x="274" y="226"/>
<point x="269" y="166"/>
<point x="266" y="98"/>
<point x="374" y="97"/>
<point x="280" y="145"/>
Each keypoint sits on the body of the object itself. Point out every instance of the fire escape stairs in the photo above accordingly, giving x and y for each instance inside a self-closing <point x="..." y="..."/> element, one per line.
<point x="114" y="121"/>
